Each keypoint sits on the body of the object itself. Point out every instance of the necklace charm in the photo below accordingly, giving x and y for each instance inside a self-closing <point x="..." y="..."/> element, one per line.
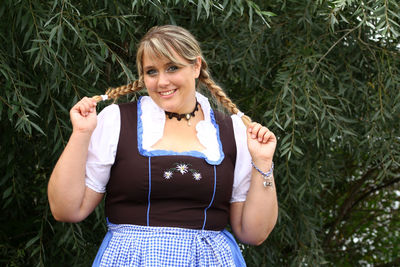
<point x="186" y="116"/>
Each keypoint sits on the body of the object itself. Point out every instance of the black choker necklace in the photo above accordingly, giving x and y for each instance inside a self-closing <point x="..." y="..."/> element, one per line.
<point x="186" y="116"/>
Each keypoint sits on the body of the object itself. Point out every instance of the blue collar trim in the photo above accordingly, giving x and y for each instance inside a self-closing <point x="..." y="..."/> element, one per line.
<point x="193" y="153"/>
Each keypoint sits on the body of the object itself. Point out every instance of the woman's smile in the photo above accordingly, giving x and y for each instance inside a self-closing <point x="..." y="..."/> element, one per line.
<point x="168" y="93"/>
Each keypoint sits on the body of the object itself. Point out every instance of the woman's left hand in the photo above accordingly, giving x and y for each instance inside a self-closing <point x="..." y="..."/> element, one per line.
<point x="261" y="142"/>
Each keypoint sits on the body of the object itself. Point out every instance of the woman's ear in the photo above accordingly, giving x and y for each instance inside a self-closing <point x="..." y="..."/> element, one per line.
<point x="197" y="67"/>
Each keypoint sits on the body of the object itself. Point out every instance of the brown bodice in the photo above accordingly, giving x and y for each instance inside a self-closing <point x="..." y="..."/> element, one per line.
<point x="169" y="190"/>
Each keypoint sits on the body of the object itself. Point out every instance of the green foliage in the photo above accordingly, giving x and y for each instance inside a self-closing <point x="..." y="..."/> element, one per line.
<point x="323" y="75"/>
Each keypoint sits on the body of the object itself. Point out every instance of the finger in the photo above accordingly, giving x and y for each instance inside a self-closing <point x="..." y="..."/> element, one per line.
<point x="269" y="137"/>
<point x="89" y="102"/>
<point x="89" y="105"/>
<point x="251" y="126"/>
<point x="86" y="106"/>
<point x="83" y="108"/>
<point x="253" y="129"/>
<point x="261" y="133"/>
<point x="266" y="137"/>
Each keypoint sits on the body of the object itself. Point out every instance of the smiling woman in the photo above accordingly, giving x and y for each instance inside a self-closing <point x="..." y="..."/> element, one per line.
<point x="172" y="186"/>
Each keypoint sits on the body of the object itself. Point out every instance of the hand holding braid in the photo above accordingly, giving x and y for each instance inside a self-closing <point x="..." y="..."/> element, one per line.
<point x="83" y="114"/>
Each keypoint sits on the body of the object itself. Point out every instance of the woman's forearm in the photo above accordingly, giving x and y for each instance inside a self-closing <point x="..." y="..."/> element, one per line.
<point x="258" y="214"/>
<point x="66" y="188"/>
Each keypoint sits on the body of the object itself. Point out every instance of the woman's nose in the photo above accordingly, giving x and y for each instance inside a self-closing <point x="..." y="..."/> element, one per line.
<point x="163" y="80"/>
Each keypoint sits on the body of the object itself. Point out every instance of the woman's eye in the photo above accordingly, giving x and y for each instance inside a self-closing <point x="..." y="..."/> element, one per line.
<point x="151" y="72"/>
<point x="172" y="68"/>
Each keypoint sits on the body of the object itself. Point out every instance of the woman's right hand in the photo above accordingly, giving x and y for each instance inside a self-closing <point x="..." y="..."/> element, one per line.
<point x="83" y="116"/>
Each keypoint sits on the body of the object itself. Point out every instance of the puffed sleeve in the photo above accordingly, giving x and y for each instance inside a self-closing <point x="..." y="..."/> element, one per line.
<point x="242" y="174"/>
<point x="103" y="148"/>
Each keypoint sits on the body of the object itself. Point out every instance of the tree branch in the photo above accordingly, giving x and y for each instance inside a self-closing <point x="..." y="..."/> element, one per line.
<point x="347" y="204"/>
<point x="369" y="192"/>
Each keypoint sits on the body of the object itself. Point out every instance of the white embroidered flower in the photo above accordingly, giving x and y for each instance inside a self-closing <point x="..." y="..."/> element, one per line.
<point x="197" y="176"/>
<point x="182" y="168"/>
<point x="167" y="174"/>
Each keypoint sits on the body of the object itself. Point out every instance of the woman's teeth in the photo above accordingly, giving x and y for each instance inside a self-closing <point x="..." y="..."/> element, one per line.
<point x="167" y="92"/>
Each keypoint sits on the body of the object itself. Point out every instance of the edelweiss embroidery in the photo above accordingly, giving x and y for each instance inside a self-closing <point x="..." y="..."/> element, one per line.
<point x="181" y="168"/>
<point x="197" y="176"/>
<point x="167" y="175"/>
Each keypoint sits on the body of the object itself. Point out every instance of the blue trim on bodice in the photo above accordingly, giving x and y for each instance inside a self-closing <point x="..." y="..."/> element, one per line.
<point x="149" y="195"/>
<point x="212" y="199"/>
<point x="159" y="152"/>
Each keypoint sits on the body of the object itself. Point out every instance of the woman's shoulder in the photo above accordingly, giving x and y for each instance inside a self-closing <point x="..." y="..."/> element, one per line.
<point x="109" y="110"/>
<point x="113" y="111"/>
<point x="223" y="119"/>
<point x="229" y="119"/>
<point x="127" y="107"/>
<point x="220" y="115"/>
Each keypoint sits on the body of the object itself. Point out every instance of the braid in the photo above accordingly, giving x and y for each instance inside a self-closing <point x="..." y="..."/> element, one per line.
<point x="115" y="93"/>
<point x="219" y="94"/>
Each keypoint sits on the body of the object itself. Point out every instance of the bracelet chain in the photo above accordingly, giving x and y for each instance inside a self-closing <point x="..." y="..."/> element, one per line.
<point x="267" y="176"/>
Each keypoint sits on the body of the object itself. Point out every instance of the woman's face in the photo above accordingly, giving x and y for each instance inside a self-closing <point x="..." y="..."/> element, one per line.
<point x="171" y="86"/>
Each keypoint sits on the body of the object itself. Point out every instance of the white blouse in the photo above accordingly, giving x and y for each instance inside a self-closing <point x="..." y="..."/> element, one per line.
<point x="104" y="142"/>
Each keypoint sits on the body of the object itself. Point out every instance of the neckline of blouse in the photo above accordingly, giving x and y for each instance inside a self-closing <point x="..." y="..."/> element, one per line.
<point x="151" y="120"/>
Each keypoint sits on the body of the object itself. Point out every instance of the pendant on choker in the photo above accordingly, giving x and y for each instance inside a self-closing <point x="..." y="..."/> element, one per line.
<point x="186" y="116"/>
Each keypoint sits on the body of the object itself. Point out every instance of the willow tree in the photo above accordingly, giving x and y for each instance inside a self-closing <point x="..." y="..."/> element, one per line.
<point x="323" y="75"/>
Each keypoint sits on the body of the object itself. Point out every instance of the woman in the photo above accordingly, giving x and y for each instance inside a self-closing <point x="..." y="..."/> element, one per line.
<point x="175" y="172"/>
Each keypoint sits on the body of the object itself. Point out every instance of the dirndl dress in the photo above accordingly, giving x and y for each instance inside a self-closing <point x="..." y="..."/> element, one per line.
<point x="144" y="227"/>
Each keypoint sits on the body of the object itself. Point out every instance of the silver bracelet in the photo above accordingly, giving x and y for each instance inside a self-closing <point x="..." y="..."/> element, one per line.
<point x="266" y="175"/>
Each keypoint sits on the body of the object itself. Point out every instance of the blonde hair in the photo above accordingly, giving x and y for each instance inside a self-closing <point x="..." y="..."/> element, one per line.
<point x="161" y="41"/>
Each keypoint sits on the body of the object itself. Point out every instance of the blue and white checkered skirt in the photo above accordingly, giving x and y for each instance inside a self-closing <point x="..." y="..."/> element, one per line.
<point x="134" y="245"/>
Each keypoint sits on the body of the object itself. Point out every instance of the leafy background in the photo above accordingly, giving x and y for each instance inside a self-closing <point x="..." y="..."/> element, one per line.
<point x="323" y="75"/>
